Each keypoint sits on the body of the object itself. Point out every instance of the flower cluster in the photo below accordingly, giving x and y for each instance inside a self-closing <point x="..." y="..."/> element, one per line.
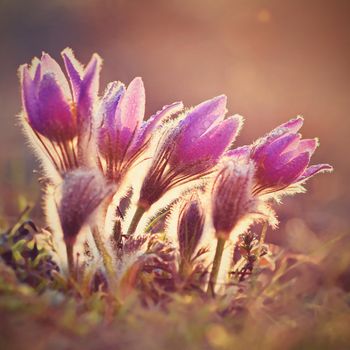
<point x="178" y="161"/>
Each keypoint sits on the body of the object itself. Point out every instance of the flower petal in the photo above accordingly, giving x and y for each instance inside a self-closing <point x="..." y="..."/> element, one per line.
<point x="211" y="145"/>
<point x="132" y="106"/>
<point x="50" y="66"/>
<point x="74" y="70"/>
<point x="202" y="117"/>
<point x="155" y="120"/>
<point x="293" y="125"/>
<point x="54" y="119"/>
<point x="290" y="127"/>
<point x="288" y="173"/>
<point x="29" y="94"/>
<point x="313" y="170"/>
<point x="113" y="94"/>
<point x="269" y="155"/>
<point x="308" y="145"/>
<point x="107" y="132"/>
<point x="88" y="94"/>
<point x="243" y="151"/>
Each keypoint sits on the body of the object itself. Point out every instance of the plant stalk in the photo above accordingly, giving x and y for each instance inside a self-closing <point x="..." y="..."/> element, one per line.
<point x="185" y="268"/>
<point x="107" y="259"/>
<point x="70" y="260"/>
<point x="136" y="219"/>
<point x="220" y="245"/>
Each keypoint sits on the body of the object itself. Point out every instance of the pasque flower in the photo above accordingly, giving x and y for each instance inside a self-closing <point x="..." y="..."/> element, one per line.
<point x="189" y="230"/>
<point x="232" y="196"/>
<point x="83" y="191"/>
<point x="234" y="205"/>
<point x="89" y="144"/>
<point x="123" y="135"/>
<point x="282" y="159"/>
<point x="188" y="151"/>
<point x="58" y="112"/>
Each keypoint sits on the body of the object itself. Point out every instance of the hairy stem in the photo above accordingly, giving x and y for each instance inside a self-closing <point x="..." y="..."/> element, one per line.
<point x="185" y="268"/>
<point x="70" y="259"/>
<point x="220" y="245"/>
<point x="136" y="219"/>
<point x="107" y="259"/>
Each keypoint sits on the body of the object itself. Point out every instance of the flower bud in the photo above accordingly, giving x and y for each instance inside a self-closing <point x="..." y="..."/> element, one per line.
<point x="282" y="158"/>
<point x="190" y="227"/>
<point x="82" y="192"/>
<point x="232" y="197"/>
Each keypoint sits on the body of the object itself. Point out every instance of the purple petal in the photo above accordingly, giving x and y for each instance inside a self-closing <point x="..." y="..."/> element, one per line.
<point x="113" y="94"/>
<point x="36" y="67"/>
<point x="202" y="117"/>
<point x="280" y="151"/>
<point x="155" y="120"/>
<point x="132" y="105"/>
<point x="50" y="66"/>
<point x="293" y="125"/>
<point x="90" y="81"/>
<point x="308" y="145"/>
<point x="243" y="151"/>
<point x="272" y="151"/>
<point x="88" y="91"/>
<point x="74" y="70"/>
<point x="55" y="119"/>
<point x="286" y="174"/>
<point x="284" y="144"/>
<point x="107" y="132"/>
<point x="159" y="116"/>
<point x="29" y="94"/>
<point x="211" y="145"/>
<point x="313" y="170"/>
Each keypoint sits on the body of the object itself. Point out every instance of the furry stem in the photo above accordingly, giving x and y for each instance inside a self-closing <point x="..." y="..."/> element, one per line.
<point x="107" y="259"/>
<point x="136" y="219"/>
<point x="185" y="268"/>
<point x="220" y="245"/>
<point x="70" y="259"/>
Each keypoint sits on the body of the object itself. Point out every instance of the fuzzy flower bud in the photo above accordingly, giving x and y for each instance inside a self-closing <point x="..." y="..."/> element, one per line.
<point x="232" y="197"/>
<point x="190" y="227"/>
<point x="57" y="112"/>
<point x="124" y="135"/>
<point x="191" y="149"/>
<point x="205" y="133"/>
<point x="82" y="192"/>
<point x="282" y="158"/>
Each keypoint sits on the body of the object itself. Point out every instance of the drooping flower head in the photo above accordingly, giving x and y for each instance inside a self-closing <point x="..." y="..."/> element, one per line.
<point x="123" y="135"/>
<point x="191" y="149"/>
<point x="282" y="158"/>
<point x="58" y="112"/>
<point x="190" y="227"/>
<point x="233" y="201"/>
<point x="82" y="192"/>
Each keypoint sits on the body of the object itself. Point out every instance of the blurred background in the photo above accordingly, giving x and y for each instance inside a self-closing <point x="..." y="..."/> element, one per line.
<point x="274" y="60"/>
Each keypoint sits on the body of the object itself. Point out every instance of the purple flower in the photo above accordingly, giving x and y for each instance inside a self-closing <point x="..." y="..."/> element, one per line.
<point x="232" y="197"/>
<point x="82" y="192"/>
<point x="58" y="111"/>
<point x="47" y="100"/>
<point x="123" y="134"/>
<point x="204" y="134"/>
<point x="190" y="228"/>
<point x="234" y="207"/>
<point x="191" y="149"/>
<point x="282" y="158"/>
